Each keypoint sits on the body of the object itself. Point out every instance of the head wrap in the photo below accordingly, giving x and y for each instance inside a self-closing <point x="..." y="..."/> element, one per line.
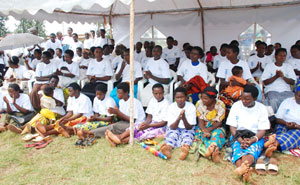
<point x="297" y="88"/>
<point x="211" y="92"/>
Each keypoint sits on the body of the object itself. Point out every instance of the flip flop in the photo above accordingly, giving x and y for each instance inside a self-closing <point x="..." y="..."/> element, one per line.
<point x="79" y="142"/>
<point x="202" y="149"/>
<point x="44" y="144"/>
<point x="34" y="144"/>
<point x="29" y="137"/>
<point x="273" y="167"/>
<point x="91" y="141"/>
<point x="194" y="147"/>
<point x="260" y="167"/>
<point x="150" y="142"/>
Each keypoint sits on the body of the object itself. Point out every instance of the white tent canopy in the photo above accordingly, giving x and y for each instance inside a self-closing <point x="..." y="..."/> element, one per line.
<point x="223" y="20"/>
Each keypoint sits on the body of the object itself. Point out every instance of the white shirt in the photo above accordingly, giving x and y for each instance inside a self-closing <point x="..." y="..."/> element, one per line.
<point x="99" y="69"/>
<point x="43" y="69"/>
<point x="23" y="101"/>
<point x="33" y="63"/>
<point x="2" y="106"/>
<point x="126" y="71"/>
<point x="76" y="45"/>
<point x="73" y="68"/>
<point x="158" y="68"/>
<point x="80" y="105"/>
<point x="171" y="54"/>
<point x="217" y="61"/>
<point x="224" y="70"/>
<point x="158" y="110"/>
<point x="109" y="57"/>
<point x="116" y="61"/>
<point x="187" y="70"/>
<point x="53" y="45"/>
<point x="174" y="112"/>
<point x="67" y="40"/>
<point x="88" y="43"/>
<point x="279" y="85"/>
<point x="84" y="62"/>
<point x="99" y="41"/>
<point x="139" y="114"/>
<point x="101" y="106"/>
<point x="253" y="119"/>
<point x="16" y="72"/>
<point x="253" y="60"/>
<point x="295" y="63"/>
<point x="144" y="61"/>
<point x="181" y="60"/>
<point x="59" y="95"/>
<point x="139" y="56"/>
<point x="289" y="111"/>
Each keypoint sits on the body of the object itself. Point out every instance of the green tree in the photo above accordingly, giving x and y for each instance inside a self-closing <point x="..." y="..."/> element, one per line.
<point x="3" y="29"/>
<point x="25" y="25"/>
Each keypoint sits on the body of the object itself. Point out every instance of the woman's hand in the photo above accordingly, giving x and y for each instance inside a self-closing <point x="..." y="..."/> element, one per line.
<point x="113" y="110"/>
<point x="143" y="126"/>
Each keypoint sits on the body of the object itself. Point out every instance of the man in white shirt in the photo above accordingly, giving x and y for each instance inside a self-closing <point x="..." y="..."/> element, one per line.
<point x="101" y="40"/>
<point x="53" y="43"/>
<point x="295" y="61"/>
<point x="192" y="67"/>
<point x="138" y="53"/>
<point x="76" y="44"/>
<point x="88" y="42"/>
<point x="171" y="54"/>
<point x="278" y="78"/>
<point x="68" y="39"/>
<point x="31" y="64"/>
<point x="156" y="71"/>
<point x="221" y="57"/>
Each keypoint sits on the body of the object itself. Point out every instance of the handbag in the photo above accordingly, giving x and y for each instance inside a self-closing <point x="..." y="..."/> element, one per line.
<point x="240" y="133"/>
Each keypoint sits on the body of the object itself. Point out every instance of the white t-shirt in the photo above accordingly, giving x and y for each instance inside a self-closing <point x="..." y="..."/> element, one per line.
<point x="254" y="118"/>
<point x="158" y="68"/>
<point x="2" y="102"/>
<point x="171" y="54"/>
<point x="101" y="106"/>
<point x="116" y="61"/>
<point x="88" y="43"/>
<point x="16" y="72"/>
<point x="158" y="110"/>
<point x="99" y="69"/>
<point x="139" y="113"/>
<point x="23" y="101"/>
<point x="76" y="45"/>
<point x="279" y="84"/>
<point x="187" y="70"/>
<point x="110" y="58"/>
<point x="224" y="70"/>
<point x="289" y="111"/>
<point x="59" y="95"/>
<point x="174" y="112"/>
<point x="53" y="45"/>
<point x="84" y="62"/>
<point x="80" y="105"/>
<point x="43" y="69"/>
<point x="295" y="63"/>
<point x="68" y="41"/>
<point x="144" y="61"/>
<point x="253" y="60"/>
<point x="33" y="63"/>
<point x="126" y="71"/>
<point x="139" y="56"/>
<point x="73" y="68"/>
<point x="217" y="61"/>
<point x="99" y="41"/>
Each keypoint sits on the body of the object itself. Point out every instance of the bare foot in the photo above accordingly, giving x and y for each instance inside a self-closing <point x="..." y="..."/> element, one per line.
<point x="272" y="139"/>
<point x="209" y="150"/>
<point x="113" y="137"/>
<point x="63" y="132"/>
<point x="184" y="151"/>
<point x="242" y="169"/>
<point x="14" y="129"/>
<point x="40" y="127"/>
<point x="216" y="155"/>
<point x="270" y="150"/>
<point x="2" y="129"/>
<point x="166" y="150"/>
<point x="79" y="133"/>
<point x="112" y="144"/>
<point x="247" y="175"/>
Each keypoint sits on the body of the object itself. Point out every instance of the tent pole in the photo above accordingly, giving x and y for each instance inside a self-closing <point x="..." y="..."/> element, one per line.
<point x="131" y="98"/>
<point x="202" y="30"/>
<point x="110" y="22"/>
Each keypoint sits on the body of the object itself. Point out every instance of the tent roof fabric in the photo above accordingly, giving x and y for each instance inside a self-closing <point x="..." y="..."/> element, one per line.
<point x="77" y="10"/>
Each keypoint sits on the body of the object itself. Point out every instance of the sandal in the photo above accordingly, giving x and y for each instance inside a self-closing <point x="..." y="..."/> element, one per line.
<point x="91" y="141"/>
<point x="29" y="137"/>
<point x="260" y="167"/>
<point x="79" y="142"/>
<point x="273" y="167"/>
<point x="44" y="144"/>
<point x="193" y="148"/>
<point x="202" y="149"/>
<point x="34" y="144"/>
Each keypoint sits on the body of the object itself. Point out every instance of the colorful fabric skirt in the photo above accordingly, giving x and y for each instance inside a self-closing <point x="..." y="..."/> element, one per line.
<point x="178" y="137"/>
<point x="254" y="150"/>
<point x="217" y="135"/>
<point x="72" y="123"/>
<point x="287" y="138"/>
<point x="148" y="133"/>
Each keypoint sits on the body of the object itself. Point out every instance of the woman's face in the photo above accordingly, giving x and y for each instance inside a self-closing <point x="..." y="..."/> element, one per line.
<point x="158" y="93"/>
<point x="297" y="97"/>
<point x="247" y="100"/>
<point x="180" y="98"/>
<point x="230" y="54"/>
<point x="194" y="55"/>
<point x="156" y="53"/>
<point x="280" y="57"/>
<point x="100" y="95"/>
<point x="120" y="93"/>
<point x="12" y="93"/>
<point x="207" y="101"/>
<point x="71" y="92"/>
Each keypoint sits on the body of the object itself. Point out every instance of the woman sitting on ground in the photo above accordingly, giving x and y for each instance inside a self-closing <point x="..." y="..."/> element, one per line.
<point x="251" y="117"/>
<point x="210" y="114"/>
<point x="79" y="109"/>
<point x="278" y="78"/>
<point x="287" y="128"/>
<point x="181" y="122"/>
<point x="17" y="106"/>
<point x="154" y="124"/>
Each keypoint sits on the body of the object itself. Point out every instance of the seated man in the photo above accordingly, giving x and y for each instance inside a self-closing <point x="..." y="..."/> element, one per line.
<point x="155" y="122"/>
<point x="156" y="71"/>
<point x="123" y="113"/>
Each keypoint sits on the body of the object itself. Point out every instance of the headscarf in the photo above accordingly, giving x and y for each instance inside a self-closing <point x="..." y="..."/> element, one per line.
<point x="211" y="92"/>
<point x="297" y="88"/>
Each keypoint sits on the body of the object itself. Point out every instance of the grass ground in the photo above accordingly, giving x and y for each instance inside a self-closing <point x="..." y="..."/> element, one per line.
<point x="63" y="163"/>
